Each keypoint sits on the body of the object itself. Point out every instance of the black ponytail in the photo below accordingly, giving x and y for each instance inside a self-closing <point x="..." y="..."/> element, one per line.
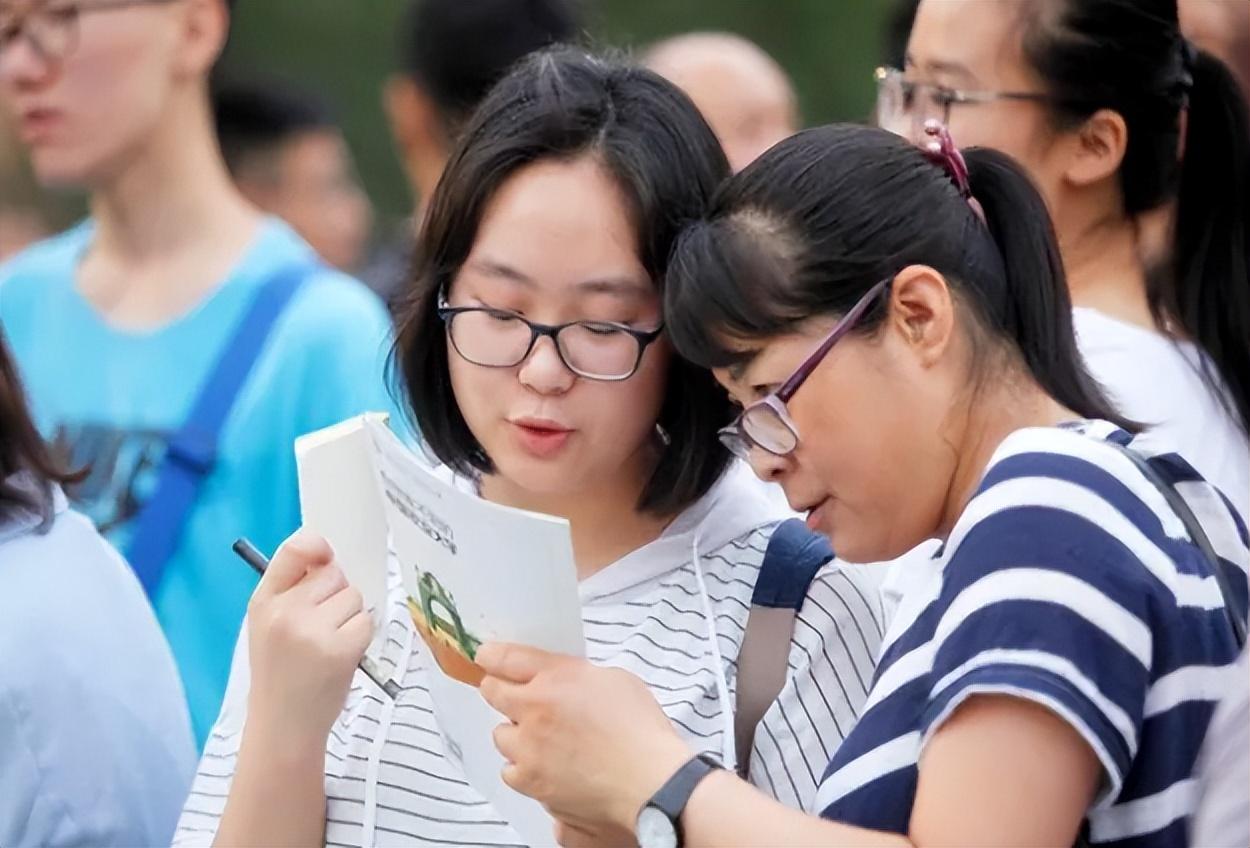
<point x="1188" y="140"/>
<point x="1210" y="295"/>
<point x="1038" y="311"/>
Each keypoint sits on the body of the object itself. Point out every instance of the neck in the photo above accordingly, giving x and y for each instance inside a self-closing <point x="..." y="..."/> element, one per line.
<point x="1104" y="268"/>
<point x="604" y="520"/>
<point x="425" y="169"/>
<point x="172" y="193"/>
<point x="988" y="420"/>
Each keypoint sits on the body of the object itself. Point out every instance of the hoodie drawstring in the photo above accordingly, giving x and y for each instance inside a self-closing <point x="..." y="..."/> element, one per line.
<point x="729" y="757"/>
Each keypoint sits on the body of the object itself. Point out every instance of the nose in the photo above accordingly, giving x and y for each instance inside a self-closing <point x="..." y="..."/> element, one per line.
<point x="768" y="466"/>
<point x="22" y="66"/>
<point x="544" y="371"/>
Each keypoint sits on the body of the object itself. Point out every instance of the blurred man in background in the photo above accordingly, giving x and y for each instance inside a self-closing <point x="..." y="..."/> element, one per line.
<point x="21" y="221"/>
<point x="451" y="52"/>
<point x="742" y="92"/>
<point x="177" y="341"/>
<point x="288" y="156"/>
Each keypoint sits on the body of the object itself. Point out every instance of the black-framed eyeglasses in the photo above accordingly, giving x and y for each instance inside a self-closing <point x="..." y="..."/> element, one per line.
<point x="904" y="106"/>
<point x="498" y="338"/>
<point x="766" y="424"/>
<point x="51" y="26"/>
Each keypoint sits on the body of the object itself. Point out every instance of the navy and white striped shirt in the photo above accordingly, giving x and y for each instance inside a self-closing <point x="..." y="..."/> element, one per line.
<point x="1069" y="582"/>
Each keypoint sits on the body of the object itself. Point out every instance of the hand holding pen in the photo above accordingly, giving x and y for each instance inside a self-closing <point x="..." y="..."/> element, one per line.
<point x="308" y="630"/>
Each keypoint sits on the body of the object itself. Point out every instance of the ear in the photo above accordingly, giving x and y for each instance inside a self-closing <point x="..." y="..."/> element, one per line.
<point x="1097" y="149"/>
<point x="205" y="25"/>
<point x="922" y="314"/>
<point x="411" y="114"/>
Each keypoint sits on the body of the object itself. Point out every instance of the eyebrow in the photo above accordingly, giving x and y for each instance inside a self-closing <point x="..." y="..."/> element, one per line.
<point x="942" y="66"/>
<point x="627" y="287"/>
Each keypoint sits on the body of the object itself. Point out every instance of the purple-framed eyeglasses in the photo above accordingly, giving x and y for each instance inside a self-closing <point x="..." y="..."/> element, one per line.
<point x="766" y="424"/>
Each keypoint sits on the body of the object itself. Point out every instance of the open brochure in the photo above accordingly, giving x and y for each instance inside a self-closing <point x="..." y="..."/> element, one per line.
<point x="472" y="572"/>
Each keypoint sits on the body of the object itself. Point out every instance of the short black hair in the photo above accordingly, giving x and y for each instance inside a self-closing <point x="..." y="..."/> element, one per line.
<point x="562" y="104"/>
<point x="457" y="49"/>
<point x="254" y="117"/>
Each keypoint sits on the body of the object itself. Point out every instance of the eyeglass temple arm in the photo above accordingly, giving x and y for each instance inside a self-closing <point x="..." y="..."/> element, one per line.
<point x="840" y="329"/>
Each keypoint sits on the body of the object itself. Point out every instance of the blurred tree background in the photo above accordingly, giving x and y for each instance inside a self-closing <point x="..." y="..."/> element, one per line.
<point x="346" y="48"/>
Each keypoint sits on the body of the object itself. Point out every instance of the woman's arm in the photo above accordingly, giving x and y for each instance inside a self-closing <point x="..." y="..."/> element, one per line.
<point x="277" y="797"/>
<point x="592" y="745"/>
<point x="307" y="629"/>
<point x="1000" y="772"/>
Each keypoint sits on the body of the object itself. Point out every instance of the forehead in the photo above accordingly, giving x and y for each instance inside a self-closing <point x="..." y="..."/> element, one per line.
<point x="561" y="220"/>
<point x="978" y="39"/>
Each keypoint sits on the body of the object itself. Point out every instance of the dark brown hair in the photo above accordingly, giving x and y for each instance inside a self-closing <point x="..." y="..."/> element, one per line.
<point x="563" y="104"/>
<point x="22" y="450"/>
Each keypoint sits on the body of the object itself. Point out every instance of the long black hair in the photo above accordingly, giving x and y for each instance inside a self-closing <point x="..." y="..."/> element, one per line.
<point x="1188" y="140"/>
<point x="563" y="104"/>
<point x="23" y="452"/>
<point x="809" y="227"/>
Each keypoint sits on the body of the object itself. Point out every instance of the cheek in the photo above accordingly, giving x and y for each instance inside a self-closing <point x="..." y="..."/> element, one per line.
<point x="479" y="393"/>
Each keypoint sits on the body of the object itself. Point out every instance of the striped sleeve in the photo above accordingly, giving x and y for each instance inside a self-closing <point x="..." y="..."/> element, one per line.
<point x="833" y="652"/>
<point x="202" y="812"/>
<point x="1041" y="602"/>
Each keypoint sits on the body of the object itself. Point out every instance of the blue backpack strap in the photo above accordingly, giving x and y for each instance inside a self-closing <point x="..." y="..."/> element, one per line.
<point x="192" y="451"/>
<point x="791" y="560"/>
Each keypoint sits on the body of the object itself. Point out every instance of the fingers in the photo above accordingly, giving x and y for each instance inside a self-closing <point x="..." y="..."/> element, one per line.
<point x="507" y="739"/>
<point x="514" y="663"/>
<point x="502" y="695"/>
<point x="340" y="607"/>
<point x="300" y="552"/>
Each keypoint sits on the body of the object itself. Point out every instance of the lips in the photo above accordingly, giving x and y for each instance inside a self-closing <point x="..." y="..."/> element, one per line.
<point x="816" y="518"/>
<point x="540" y="437"/>
<point x="36" y="125"/>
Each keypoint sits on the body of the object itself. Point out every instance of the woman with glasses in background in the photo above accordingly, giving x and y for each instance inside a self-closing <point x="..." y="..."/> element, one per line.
<point x="540" y="373"/>
<point x="1141" y="146"/>
<point x="897" y="332"/>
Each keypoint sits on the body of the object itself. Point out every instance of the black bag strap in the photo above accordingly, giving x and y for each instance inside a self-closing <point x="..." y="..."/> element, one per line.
<point x="1196" y="534"/>
<point x="791" y="560"/>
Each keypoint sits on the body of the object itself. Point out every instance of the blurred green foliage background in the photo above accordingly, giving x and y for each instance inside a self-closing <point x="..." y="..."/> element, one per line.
<point x="346" y="48"/>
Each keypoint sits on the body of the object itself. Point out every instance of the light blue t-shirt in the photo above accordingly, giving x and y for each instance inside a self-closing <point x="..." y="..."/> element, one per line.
<point x="110" y="398"/>
<point x="95" y="743"/>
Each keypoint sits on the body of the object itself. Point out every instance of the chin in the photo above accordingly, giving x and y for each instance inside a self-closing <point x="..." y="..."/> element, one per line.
<point x="544" y="477"/>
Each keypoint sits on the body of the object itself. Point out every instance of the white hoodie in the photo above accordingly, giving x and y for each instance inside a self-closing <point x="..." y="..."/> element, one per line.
<point x="674" y="621"/>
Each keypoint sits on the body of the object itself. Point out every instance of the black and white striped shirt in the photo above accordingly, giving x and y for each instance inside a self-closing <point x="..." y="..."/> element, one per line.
<point x="389" y="783"/>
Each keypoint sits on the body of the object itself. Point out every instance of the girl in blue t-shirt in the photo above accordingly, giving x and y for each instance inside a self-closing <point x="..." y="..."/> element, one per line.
<point x="895" y="325"/>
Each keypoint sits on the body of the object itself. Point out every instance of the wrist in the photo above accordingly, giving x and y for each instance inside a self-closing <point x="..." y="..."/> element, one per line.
<point x="284" y="741"/>
<point x="652" y="772"/>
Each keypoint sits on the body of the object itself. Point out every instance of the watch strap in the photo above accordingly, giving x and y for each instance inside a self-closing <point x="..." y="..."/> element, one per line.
<point x="672" y="797"/>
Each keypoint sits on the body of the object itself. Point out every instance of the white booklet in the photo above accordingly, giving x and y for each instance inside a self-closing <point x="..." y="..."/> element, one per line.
<point x="472" y="572"/>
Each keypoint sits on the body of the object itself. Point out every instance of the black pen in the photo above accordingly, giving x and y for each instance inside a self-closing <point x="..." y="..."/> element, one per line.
<point x="258" y="561"/>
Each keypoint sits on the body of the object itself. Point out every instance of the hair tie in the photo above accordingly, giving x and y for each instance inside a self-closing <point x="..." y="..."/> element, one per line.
<point x="940" y="149"/>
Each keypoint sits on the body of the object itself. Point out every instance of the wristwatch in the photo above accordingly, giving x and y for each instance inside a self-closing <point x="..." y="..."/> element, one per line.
<point x="659" y="823"/>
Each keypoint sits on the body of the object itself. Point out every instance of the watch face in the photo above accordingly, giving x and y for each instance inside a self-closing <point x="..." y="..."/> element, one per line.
<point x="655" y="829"/>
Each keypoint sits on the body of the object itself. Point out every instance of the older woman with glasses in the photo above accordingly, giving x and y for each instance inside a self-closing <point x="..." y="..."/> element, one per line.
<point x="895" y="324"/>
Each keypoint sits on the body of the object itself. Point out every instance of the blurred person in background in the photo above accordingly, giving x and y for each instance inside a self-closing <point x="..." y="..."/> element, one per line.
<point x="1221" y="28"/>
<point x="177" y="341"/>
<point x="95" y="742"/>
<point x="1115" y="115"/>
<point x="21" y="224"/>
<point x="288" y="156"/>
<point x="450" y="55"/>
<point x="743" y="93"/>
